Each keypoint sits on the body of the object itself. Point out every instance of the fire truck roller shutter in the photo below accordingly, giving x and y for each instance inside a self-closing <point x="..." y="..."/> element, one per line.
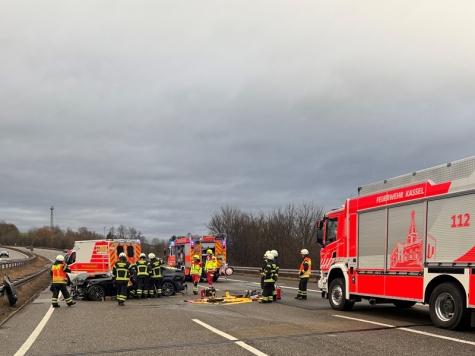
<point x="371" y="239"/>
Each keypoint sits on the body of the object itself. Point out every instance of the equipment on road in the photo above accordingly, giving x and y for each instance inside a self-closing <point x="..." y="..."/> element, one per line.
<point x="181" y="250"/>
<point x="405" y="240"/>
<point x="99" y="256"/>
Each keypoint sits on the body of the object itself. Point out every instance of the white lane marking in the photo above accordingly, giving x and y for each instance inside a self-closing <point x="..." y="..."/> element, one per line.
<point x="229" y="337"/>
<point x="283" y="287"/>
<point x="411" y="330"/>
<point x="26" y="346"/>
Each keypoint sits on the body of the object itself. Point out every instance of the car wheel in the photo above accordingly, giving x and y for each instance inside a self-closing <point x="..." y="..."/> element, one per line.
<point x="336" y="295"/>
<point x="96" y="293"/>
<point x="404" y="304"/>
<point x="229" y="271"/>
<point x="168" y="289"/>
<point x="447" y="306"/>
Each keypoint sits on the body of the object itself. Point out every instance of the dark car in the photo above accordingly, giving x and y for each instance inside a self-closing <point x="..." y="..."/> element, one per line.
<point x="96" y="287"/>
<point x="4" y="253"/>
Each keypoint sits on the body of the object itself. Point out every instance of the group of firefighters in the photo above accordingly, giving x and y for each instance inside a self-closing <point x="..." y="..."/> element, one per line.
<point x="149" y="276"/>
<point x="270" y="274"/>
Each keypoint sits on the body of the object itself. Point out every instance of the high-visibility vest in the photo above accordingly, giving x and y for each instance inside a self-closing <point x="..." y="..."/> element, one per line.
<point x="306" y="261"/>
<point x="142" y="268"/>
<point x="196" y="268"/>
<point x="269" y="273"/>
<point x="155" y="270"/>
<point x="211" y="263"/>
<point x="59" y="273"/>
<point x="120" y="271"/>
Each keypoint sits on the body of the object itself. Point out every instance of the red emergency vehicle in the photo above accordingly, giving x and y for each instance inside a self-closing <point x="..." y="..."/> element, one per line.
<point x="99" y="256"/>
<point x="181" y="250"/>
<point x="405" y="240"/>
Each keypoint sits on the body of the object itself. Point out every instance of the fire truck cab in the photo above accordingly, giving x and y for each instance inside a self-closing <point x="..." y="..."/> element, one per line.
<point x="99" y="256"/>
<point x="180" y="251"/>
<point x="405" y="240"/>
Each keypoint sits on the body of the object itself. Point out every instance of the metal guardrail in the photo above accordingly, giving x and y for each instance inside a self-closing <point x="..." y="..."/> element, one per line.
<point x="25" y="279"/>
<point x="281" y="270"/>
<point x="14" y="263"/>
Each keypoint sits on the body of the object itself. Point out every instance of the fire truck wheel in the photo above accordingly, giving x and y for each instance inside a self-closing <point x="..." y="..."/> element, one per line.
<point x="96" y="293"/>
<point x="336" y="295"/>
<point x="404" y="304"/>
<point x="168" y="289"/>
<point x="447" y="306"/>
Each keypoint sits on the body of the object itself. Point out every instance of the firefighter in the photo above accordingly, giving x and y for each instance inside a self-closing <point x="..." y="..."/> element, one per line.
<point x="155" y="276"/>
<point x="195" y="272"/>
<point x="120" y="277"/>
<point x="263" y="267"/>
<point x="60" y="280"/>
<point x="142" y="276"/>
<point x="276" y="274"/>
<point x="211" y="265"/>
<point x="304" y="274"/>
<point x="269" y="272"/>
<point x="132" y="283"/>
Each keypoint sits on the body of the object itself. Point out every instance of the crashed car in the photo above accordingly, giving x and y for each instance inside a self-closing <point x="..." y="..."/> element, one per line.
<point x="97" y="286"/>
<point x="4" y="253"/>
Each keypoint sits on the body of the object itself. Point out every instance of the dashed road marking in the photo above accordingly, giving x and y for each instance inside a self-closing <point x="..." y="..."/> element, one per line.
<point x="229" y="337"/>
<point x="409" y="330"/>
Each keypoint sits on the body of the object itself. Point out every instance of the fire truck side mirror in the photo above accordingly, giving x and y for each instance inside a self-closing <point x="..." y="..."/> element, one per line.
<point x="165" y="252"/>
<point x="320" y="236"/>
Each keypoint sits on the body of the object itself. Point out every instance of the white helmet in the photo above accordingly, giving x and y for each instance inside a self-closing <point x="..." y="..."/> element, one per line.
<point x="143" y="255"/>
<point x="151" y="255"/>
<point x="122" y="254"/>
<point x="304" y="252"/>
<point x="275" y="253"/>
<point x="269" y="255"/>
<point x="60" y="258"/>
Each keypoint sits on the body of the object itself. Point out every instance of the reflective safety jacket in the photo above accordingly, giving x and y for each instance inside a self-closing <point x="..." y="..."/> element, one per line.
<point x="269" y="272"/>
<point x="275" y="267"/>
<point x="305" y="267"/>
<point x="120" y="271"/>
<point x="154" y="269"/>
<point x="58" y="271"/>
<point x="142" y="268"/>
<point x="211" y="263"/>
<point x="196" y="268"/>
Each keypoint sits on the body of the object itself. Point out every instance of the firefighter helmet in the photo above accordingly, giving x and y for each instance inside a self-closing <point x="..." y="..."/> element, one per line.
<point x="275" y="253"/>
<point x="304" y="252"/>
<point x="122" y="254"/>
<point x="269" y="255"/>
<point x="60" y="258"/>
<point x="143" y="255"/>
<point x="196" y="256"/>
<point x="209" y="252"/>
<point x="151" y="255"/>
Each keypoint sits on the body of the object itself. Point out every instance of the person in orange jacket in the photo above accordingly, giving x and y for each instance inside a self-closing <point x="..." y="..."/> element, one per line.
<point x="60" y="280"/>
<point x="304" y="274"/>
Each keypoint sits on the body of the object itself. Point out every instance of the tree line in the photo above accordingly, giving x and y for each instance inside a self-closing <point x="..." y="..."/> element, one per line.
<point x="57" y="238"/>
<point x="287" y="230"/>
<point x="249" y="235"/>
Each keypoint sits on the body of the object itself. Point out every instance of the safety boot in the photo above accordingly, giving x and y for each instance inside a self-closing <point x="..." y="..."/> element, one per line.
<point x="56" y="305"/>
<point x="71" y="304"/>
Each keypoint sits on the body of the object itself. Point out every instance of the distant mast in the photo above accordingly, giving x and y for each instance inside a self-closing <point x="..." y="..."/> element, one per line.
<point x="51" y="224"/>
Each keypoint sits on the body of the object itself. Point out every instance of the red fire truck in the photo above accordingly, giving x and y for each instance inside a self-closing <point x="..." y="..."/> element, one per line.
<point x="405" y="240"/>
<point x="181" y="251"/>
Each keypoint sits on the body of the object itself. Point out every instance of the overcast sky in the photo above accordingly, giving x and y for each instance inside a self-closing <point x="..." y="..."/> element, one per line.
<point x="154" y="114"/>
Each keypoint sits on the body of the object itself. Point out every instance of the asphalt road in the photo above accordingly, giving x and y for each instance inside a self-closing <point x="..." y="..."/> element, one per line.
<point x="170" y="326"/>
<point x="14" y="255"/>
